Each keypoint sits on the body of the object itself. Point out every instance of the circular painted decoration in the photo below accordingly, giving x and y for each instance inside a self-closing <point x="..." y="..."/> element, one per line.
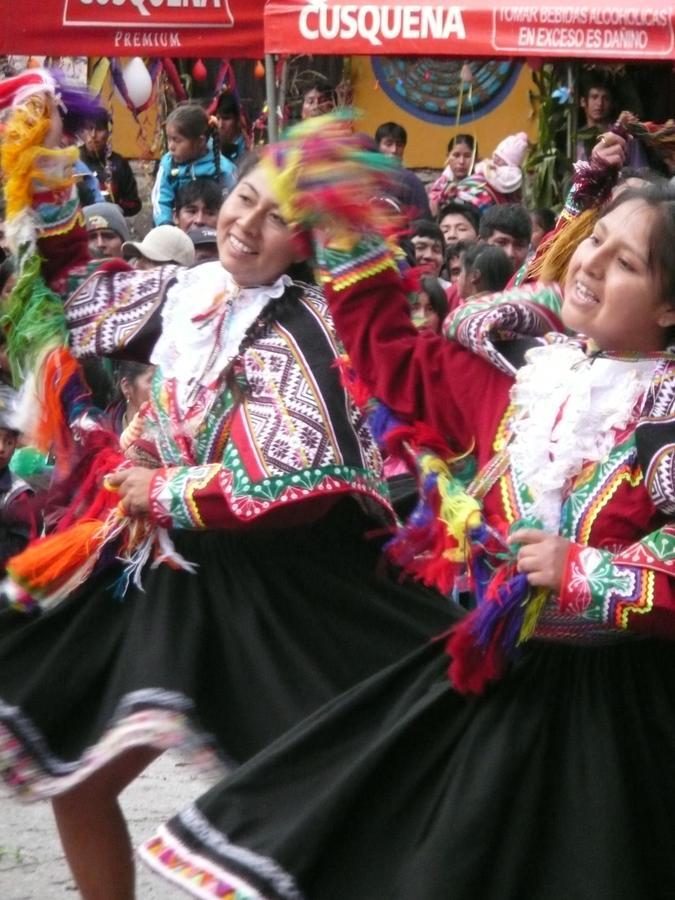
<point x="431" y="87"/>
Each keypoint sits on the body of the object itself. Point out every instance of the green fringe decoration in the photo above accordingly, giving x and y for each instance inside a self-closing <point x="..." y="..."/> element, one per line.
<point x="33" y="320"/>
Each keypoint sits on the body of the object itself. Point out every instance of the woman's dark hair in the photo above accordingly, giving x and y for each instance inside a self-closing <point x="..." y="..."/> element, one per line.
<point x="437" y="296"/>
<point x="649" y="176"/>
<point x="660" y="256"/>
<point x="467" y="139"/>
<point x="491" y="262"/>
<point x="129" y="370"/>
<point x="192" y="121"/>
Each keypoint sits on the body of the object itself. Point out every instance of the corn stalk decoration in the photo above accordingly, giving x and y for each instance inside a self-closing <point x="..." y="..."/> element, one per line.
<point x="549" y="164"/>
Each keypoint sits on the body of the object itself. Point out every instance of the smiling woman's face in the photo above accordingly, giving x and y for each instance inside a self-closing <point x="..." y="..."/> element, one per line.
<point x="612" y="293"/>
<point x="254" y="243"/>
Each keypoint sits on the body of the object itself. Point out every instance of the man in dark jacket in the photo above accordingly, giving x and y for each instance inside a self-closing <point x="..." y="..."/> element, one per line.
<point x="113" y="171"/>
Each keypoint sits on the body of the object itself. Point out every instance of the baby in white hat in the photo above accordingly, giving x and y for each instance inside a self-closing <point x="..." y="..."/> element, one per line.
<point x="503" y="170"/>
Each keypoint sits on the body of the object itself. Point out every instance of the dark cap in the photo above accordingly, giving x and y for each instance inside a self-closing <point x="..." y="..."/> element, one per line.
<point x="201" y="236"/>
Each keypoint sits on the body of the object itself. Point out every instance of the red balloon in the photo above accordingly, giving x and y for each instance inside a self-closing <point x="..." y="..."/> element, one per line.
<point x="199" y="72"/>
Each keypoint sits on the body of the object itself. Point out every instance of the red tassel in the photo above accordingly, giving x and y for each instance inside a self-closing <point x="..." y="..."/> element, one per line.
<point x="472" y="667"/>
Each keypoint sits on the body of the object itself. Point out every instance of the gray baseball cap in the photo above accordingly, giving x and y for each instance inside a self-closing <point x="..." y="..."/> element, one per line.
<point x="106" y="215"/>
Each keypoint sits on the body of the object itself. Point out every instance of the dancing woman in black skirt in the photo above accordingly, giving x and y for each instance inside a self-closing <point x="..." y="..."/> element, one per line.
<point x="541" y="768"/>
<point x="250" y="471"/>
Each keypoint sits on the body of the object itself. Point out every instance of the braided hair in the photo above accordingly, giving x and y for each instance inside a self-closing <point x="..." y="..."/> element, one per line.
<point x="192" y="121"/>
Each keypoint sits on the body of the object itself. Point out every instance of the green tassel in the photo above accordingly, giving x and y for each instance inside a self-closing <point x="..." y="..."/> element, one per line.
<point x="33" y="320"/>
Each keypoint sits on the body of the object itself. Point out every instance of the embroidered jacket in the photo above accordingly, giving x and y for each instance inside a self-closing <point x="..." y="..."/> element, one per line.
<point x="270" y="428"/>
<point x="615" y="485"/>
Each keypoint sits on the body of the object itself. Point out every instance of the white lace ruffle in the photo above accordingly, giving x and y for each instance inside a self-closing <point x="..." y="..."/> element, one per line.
<point x="568" y="409"/>
<point x="195" y="352"/>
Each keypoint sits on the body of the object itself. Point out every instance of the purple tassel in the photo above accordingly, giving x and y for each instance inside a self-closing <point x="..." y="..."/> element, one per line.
<point x="382" y="420"/>
<point x="507" y="608"/>
<point x="81" y="106"/>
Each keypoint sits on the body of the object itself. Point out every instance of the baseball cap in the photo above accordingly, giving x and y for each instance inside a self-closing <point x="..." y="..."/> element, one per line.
<point x="106" y="215"/>
<point x="201" y="236"/>
<point x="164" y="244"/>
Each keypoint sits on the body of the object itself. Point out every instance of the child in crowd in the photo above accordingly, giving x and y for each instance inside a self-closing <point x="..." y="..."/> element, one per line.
<point x="193" y="153"/>
<point x="429" y="305"/>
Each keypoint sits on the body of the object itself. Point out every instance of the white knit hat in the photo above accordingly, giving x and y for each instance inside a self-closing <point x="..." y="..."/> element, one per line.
<point x="164" y="244"/>
<point x="513" y="149"/>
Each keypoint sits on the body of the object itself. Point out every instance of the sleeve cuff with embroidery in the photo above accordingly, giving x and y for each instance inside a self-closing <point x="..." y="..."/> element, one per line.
<point x="189" y="497"/>
<point x="627" y="591"/>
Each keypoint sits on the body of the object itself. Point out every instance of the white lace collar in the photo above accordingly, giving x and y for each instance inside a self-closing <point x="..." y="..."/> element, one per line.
<point x="568" y="408"/>
<point x="204" y="319"/>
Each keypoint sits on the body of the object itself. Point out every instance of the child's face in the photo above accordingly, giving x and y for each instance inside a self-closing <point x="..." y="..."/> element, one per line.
<point x="181" y="148"/>
<point x="424" y="316"/>
<point x="7" y="446"/>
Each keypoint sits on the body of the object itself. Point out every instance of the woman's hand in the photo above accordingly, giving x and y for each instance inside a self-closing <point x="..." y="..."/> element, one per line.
<point x="134" y="488"/>
<point x="610" y="149"/>
<point x="541" y="557"/>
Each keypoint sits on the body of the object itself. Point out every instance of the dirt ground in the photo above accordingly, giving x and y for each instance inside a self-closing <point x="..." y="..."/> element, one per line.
<point x="32" y="866"/>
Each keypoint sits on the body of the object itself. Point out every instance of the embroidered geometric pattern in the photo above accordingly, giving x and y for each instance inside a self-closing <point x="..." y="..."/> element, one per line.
<point x="214" y="872"/>
<point x="283" y="411"/>
<point x="109" y="309"/>
<point x="594" y="488"/>
<point x="344" y="268"/>
<point x="656" y="439"/>
<point x="155" y="717"/>
<point x="525" y="311"/>
<point x="604" y="591"/>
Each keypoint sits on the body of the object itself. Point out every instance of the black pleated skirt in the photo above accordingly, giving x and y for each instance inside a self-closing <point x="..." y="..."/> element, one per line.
<point x="557" y="784"/>
<point x="273" y="625"/>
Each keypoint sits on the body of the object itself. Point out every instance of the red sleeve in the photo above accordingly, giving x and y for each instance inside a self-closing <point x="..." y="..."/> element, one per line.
<point x="419" y="377"/>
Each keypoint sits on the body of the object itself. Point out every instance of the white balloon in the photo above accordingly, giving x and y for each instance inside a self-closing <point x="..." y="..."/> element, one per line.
<point x="138" y="82"/>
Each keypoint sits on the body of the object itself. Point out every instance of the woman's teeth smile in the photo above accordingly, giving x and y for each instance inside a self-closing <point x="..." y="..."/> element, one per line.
<point x="585" y="294"/>
<point x="239" y="246"/>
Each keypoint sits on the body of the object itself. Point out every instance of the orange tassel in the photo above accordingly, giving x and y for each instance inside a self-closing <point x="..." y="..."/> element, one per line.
<point x="52" y="429"/>
<point x="51" y="561"/>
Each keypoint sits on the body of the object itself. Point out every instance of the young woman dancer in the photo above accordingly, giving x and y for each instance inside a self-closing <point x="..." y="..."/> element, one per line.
<point x="259" y="478"/>
<point x="541" y="768"/>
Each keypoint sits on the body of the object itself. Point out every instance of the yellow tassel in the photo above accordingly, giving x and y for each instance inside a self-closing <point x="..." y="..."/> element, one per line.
<point x="552" y="264"/>
<point x="531" y="616"/>
<point x="24" y="160"/>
